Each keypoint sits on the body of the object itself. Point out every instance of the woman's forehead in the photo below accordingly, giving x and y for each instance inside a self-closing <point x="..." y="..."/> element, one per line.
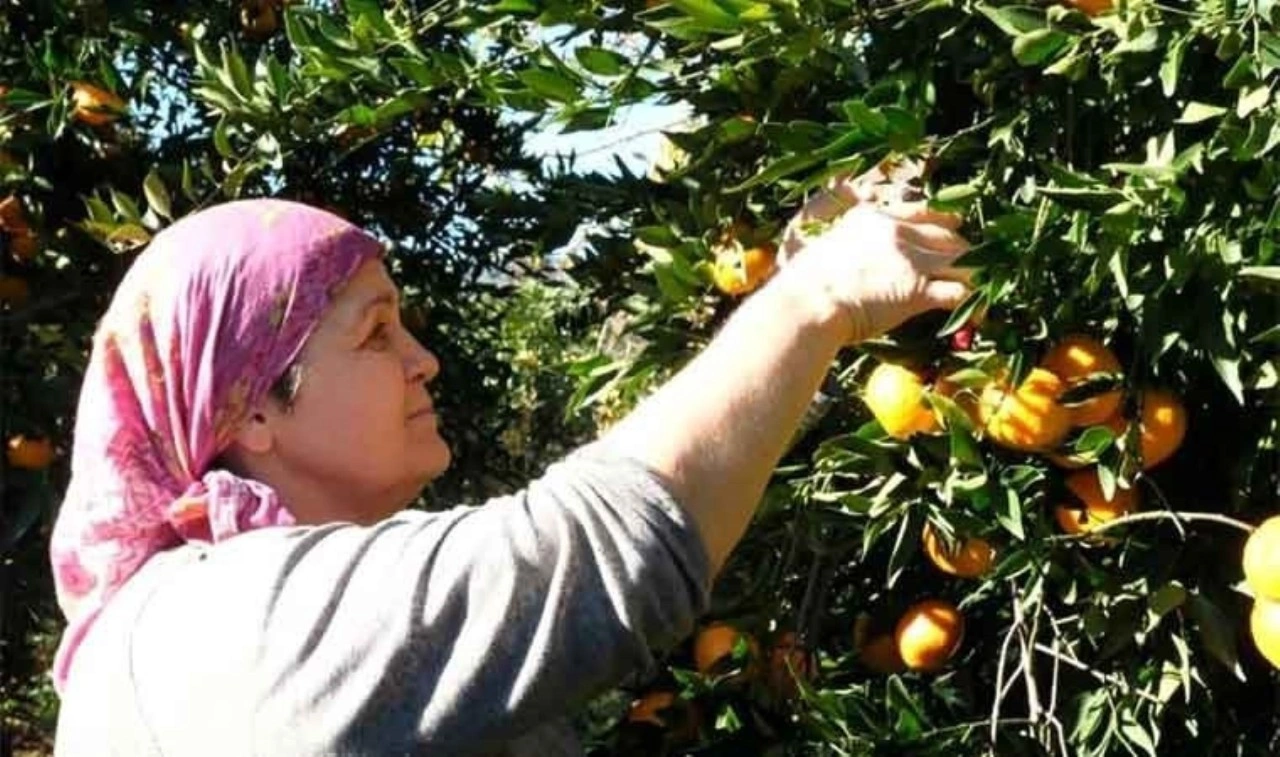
<point x="370" y="285"/>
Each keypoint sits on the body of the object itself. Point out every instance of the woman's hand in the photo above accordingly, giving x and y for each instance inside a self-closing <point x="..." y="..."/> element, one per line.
<point x="879" y="260"/>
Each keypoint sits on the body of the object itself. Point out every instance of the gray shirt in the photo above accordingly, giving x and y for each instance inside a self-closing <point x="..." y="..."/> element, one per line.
<point x="465" y="632"/>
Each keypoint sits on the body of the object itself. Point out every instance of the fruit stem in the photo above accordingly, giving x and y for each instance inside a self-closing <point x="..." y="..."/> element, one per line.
<point x="1169" y="515"/>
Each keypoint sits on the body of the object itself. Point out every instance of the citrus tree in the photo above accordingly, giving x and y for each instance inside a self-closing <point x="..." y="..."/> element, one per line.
<point x="1017" y="528"/>
<point x="117" y="117"/>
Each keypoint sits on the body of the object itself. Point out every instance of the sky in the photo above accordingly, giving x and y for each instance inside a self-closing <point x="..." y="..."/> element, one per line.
<point x="635" y="139"/>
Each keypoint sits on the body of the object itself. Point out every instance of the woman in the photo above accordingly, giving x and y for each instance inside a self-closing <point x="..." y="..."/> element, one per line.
<point x="233" y="557"/>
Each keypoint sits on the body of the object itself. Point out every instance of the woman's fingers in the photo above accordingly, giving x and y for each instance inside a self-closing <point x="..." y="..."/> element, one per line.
<point x="933" y="238"/>
<point x="944" y="295"/>
<point x="920" y="213"/>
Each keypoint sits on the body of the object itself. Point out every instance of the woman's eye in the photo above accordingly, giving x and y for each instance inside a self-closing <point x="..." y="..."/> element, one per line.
<point x="379" y="334"/>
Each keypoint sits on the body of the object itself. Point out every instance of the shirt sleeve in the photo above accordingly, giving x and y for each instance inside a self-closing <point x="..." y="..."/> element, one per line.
<point x="453" y="632"/>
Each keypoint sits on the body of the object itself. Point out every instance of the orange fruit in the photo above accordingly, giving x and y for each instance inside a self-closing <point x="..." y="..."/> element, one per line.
<point x="1092" y="7"/>
<point x="1262" y="559"/>
<point x="665" y="709"/>
<point x="714" y="645"/>
<point x="880" y="655"/>
<point x="29" y="453"/>
<point x="1072" y="359"/>
<point x="1029" y="418"/>
<point x="895" y="396"/>
<point x="259" y="18"/>
<point x="24" y="245"/>
<point x="14" y="290"/>
<point x="13" y="223"/>
<point x="1264" y="625"/>
<point x="12" y="216"/>
<point x="738" y="271"/>
<point x="788" y="660"/>
<point x="1092" y="509"/>
<point x="928" y="634"/>
<point x="972" y="557"/>
<point x="94" y="105"/>
<point x="1163" y="426"/>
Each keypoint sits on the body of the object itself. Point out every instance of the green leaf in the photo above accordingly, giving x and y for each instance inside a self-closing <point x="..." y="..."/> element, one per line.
<point x="1269" y="52"/>
<point x="550" y="84"/>
<point x="221" y="142"/>
<point x="1164" y="600"/>
<point x="778" y="169"/>
<point x="707" y="15"/>
<point x="157" y="195"/>
<point x="1010" y="515"/>
<point x="1261" y="272"/>
<point x="1251" y="100"/>
<point x="865" y="117"/>
<point x="1241" y="73"/>
<point x="1228" y="368"/>
<point x="1036" y="47"/>
<point x="237" y="73"/>
<point x="1086" y="198"/>
<point x="125" y="206"/>
<point x="1216" y="633"/>
<point x="1172" y="66"/>
<point x="600" y="61"/>
<point x="956" y="194"/>
<point x="513" y="6"/>
<point x="1195" y="112"/>
<point x="911" y="720"/>
<point x="1015" y="19"/>
<point x="419" y="72"/>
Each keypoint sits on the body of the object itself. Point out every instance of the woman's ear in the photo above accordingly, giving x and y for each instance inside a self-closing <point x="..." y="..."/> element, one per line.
<point x="254" y="436"/>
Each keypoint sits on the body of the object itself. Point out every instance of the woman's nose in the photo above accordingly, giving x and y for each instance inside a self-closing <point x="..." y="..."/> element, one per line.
<point x="422" y="363"/>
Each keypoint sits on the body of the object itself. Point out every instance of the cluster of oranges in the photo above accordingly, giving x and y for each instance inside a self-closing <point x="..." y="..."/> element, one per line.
<point x="1262" y="573"/>
<point x="1032" y="417"/>
<point x="90" y="105"/>
<point x="722" y="651"/>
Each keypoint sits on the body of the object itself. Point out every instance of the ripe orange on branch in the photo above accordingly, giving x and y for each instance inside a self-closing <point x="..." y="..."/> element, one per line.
<point x="1162" y="426"/>
<point x="1264" y="626"/>
<point x="1073" y="359"/>
<point x="16" y="230"/>
<point x="929" y="634"/>
<point x="895" y="396"/>
<point x="29" y="453"/>
<point x="738" y="270"/>
<point x="1262" y="560"/>
<point x="714" y="645"/>
<point x="1091" y="508"/>
<point x="1028" y="418"/>
<point x="1092" y="7"/>
<point x="880" y="655"/>
<point x="972" y="557"/>
<point x="789" y="661"/>
<point x="94" y="105"/>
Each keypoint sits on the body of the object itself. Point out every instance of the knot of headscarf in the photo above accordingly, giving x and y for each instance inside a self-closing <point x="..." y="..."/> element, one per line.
<point x="204" y="322"/>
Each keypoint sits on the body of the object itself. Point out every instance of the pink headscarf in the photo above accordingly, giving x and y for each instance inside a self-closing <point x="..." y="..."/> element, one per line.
<point x="206" y="319"/>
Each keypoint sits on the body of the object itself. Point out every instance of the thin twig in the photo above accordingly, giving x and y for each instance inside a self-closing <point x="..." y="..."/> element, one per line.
<point x="1110" y="680"/>
<point x="1170" y="515"/>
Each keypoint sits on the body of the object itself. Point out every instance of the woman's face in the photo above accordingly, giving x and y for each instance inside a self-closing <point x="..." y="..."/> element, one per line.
<point x="361" y="439"/>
